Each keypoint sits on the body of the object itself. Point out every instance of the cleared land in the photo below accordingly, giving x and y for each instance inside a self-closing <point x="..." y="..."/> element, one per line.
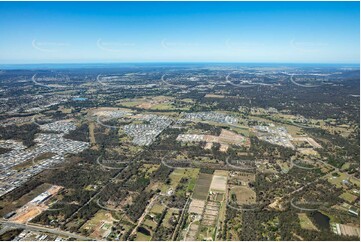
<point x="226" y="138"/>
<point x="196" y="206"/>
<point x="219" y="181"/>
<point x="244" y="195"/>
<point x="209" y="95"/>
<point x="192" y="233"/>
<point x="202" y="186"/>
<point x="99" y="227"/>
<point x="240" y="178"/>
<point x="349" y="230"/>
<point x="8" y="206"/>
<point x="211" y="213"/>
<point x="305" y="222"/>
<point x="91" y="133"/>
<point x="35" y="207"/>
<point x="104" y="111"/>
<point x="348" y="197"/>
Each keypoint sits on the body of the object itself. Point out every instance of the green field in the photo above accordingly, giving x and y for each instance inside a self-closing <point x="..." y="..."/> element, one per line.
<point x="337" y="181"/>
<point x="157" y="208"/>
<point x="150" y="224"/>
<point x="168" y="216"/>
<point x="305" y="222"/>
<point x="348" y="197"/>
<point x="191" y="174"/>
<point x="142" y="237"/>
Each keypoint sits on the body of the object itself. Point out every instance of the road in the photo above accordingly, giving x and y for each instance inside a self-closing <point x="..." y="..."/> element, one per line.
<point x="189" y="226"/>
<point x="177" y="228"/>
<point x="146" y="211"/>
<point x="40" y="228"/>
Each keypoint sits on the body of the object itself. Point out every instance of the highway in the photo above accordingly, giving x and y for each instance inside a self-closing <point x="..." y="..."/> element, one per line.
<point x="40" y="228"/>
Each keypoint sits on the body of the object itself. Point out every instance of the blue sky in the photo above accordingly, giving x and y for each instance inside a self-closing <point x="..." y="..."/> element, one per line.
<point x="76" y="32"/>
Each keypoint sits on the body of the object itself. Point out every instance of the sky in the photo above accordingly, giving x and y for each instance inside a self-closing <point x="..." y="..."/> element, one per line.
<point x="102" y="32"/>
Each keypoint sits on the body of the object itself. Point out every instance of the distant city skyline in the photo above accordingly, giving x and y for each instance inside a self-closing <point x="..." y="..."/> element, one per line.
<point x="131" y="32"/>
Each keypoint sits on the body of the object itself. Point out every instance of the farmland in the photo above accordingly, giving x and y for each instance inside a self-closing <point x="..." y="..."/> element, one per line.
<point x="173" y="153"/>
